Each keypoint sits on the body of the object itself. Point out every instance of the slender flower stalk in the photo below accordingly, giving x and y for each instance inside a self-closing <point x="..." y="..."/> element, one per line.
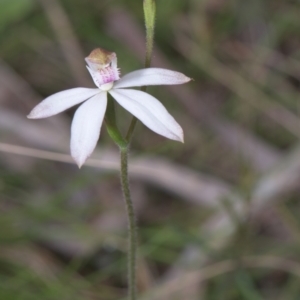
<point x="149" y="14"/>
<point x="132" y="228"/>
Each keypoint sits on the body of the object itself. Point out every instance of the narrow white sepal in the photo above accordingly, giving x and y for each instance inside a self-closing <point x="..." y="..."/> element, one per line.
<point x="149" y="111"/>
<point x="61" y="101"/>
<point x="86" y="125"/>
<point x="151" y="76"/>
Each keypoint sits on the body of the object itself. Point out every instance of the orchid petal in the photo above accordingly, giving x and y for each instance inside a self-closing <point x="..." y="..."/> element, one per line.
<point x="86" y="125"/>
<point x="151" y="76"/>
<point x="149" y="111"/>
<point x="61" y="101"/>
<point x="93" y="75"/>
<point x="104" y="76"/>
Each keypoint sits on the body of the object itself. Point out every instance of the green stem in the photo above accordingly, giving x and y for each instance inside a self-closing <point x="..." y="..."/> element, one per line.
<point x="111" y="124"/>
<point x="149" y="47"/>
<point x="112" y="128"/>
<point x="132" y="228"/>
<point x="149" y="15"/>
<point x="131" y="129"/>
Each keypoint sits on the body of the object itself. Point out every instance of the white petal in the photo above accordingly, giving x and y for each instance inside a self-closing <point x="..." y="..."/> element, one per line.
<point x="93" y="74"/>
<point x="149" y="111"/>
<point x="86" y="125"/>
<point x="60" y="102"/>
<point x="151" y="76"/>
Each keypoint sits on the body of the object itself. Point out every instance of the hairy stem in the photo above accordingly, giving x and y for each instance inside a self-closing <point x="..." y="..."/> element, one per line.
<point x="149" y="15"/>
<point x="132" y="229"/>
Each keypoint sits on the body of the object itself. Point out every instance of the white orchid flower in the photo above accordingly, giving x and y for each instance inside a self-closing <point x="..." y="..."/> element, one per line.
<point x="88" y="118"/>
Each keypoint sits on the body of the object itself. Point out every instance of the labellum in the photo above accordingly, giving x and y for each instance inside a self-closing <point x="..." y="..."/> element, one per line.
<point x="102" y="65"/>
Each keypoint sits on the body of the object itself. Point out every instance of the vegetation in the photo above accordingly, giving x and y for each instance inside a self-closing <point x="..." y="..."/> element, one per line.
<point x="218" y="216"/>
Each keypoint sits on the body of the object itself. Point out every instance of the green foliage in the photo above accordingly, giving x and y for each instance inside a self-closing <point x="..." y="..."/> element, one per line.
<point x="14" y="11"/>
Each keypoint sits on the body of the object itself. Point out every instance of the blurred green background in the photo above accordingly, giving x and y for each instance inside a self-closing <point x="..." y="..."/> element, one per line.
<point x="218" y="216"/>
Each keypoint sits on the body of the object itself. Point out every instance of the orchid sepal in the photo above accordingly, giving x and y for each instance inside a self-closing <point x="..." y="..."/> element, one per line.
<point x="151" y="76"/>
